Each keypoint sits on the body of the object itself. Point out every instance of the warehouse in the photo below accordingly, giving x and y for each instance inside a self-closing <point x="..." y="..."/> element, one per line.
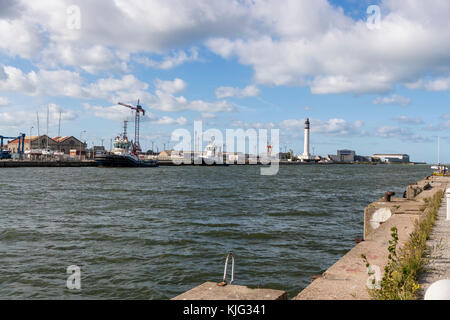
<point x="392" y="158"/>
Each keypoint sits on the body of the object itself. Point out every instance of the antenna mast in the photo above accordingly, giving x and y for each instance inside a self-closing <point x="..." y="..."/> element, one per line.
<point x="439" y="150"/>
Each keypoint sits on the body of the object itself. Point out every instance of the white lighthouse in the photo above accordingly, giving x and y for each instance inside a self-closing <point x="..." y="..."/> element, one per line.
<point x="306" y="155"/>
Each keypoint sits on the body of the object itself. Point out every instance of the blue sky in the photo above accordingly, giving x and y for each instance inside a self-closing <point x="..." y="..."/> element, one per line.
<point x="232" y="64"/>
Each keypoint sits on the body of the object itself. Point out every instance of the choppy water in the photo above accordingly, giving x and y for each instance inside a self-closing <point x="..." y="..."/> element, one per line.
<point x="153" y="233"/>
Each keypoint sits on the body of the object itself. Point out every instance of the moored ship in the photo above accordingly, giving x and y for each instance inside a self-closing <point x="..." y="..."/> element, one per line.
<point x="124" y="154"/>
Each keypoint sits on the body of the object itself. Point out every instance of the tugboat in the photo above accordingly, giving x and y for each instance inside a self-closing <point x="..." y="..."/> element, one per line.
<point x="124" y="154"/>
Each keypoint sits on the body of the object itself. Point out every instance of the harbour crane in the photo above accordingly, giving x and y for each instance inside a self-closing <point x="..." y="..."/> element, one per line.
<point x="138" y="109"/>
<point x="20" y="149"/>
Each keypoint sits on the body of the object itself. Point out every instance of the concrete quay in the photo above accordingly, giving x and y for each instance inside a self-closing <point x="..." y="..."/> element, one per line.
<point x="211" y="291"/>
<point x="26" y="163"/>
<point x="347" y="279"/>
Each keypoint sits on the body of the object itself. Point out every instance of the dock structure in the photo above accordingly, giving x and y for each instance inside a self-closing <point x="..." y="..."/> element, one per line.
<point x="211" y="291"/>
<point x="347" y="279"/>
<point x="51" y="164"/>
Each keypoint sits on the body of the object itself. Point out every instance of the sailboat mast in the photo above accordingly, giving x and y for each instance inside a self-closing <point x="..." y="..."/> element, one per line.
<point x="48" y="112"/>
<point x="439" y="150"/>
<point x="59" y="131"/>
<point x="37" y="116"/>
<point x="59" y="125"/>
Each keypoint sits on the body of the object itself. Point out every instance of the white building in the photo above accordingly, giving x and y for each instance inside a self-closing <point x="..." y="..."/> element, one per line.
<point x="389" y="158"/>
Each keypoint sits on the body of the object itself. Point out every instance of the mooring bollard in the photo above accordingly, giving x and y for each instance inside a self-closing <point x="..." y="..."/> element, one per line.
<point x="388" y="195"/>
<point x="447" y="195"/>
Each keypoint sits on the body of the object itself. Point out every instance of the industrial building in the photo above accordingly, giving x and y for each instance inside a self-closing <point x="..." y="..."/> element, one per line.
<point x="347" y="156"/>
<point x="392" y="158"/>
<point x="60" y="144"/>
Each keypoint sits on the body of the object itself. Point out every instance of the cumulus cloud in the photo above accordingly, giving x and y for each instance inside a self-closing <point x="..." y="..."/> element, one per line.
<point x="19" y="38"/>
<point x="338" y="54"/>
<point x="403" y="134"/>
<point x="393" y="100"/>
<point x="115" y="112"/>
<point x="67" y="83"/>
<point x="55" y="111"/>
<point x="15" y="120"/>
<point x="230" y="92"/>
<point x="165" y="120"/>
<point x="334" y="127"/>
<point x="4" y="101"/>
<point x="438" y="84"/>
<point x="166" y="99"/>
<point x="172" y="87"/>
<point x="170" y="61"/>
<point x="119" y="113"/>
<point x="408" y="120"/>
<point x="112" y="30"/>
<point x="289" y="44"/>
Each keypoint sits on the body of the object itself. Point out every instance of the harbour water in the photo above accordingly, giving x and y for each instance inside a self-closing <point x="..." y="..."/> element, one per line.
<point x="153" y="233"/>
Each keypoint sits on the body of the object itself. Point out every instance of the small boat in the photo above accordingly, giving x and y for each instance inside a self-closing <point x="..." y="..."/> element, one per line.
<point x="440" y="168"/>
<point x="213" y="156"/>
<point x="124" y="154"/>
<point x="5" y="154"/>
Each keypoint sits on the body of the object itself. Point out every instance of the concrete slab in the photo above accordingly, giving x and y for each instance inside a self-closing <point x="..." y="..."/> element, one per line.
<point x="347" y="278"/>
<point x="211" y="291"/>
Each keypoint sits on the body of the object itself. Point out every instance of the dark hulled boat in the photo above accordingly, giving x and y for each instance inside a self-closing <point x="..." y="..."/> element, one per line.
<point x="121" y="156"/>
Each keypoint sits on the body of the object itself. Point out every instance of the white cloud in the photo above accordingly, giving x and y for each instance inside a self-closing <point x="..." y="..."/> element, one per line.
<point x="408" y="120"/>
<point x="16" y="120"/>
<point x="115" y="113"/>
<point x="120" y="113"/>
<point x="393" y="100"/>
<point x="4" y="101"/>
<point x="289" y="44"/>
<point x="66" y="83"/>
<point x="403" y="134"/>
<point x="172" y="87"/>
<point x="66" y="115"/>
<point x="337" y="54"/>
<point x="165" y="120"/>
<point x="18" y="38"/>
<point x="230" y="92"/>
<point x="439" y="84"/>
<point x="333" y="127"/>
<point x="253" y="125"/>
<point x="93" y="59"/>
<point x="166" y="100"/>
<point x="111" y="30"/>
<point x="171" y="61"/>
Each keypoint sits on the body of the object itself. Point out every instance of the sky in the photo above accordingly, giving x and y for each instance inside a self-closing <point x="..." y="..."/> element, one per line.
<point x="374" y="81"/>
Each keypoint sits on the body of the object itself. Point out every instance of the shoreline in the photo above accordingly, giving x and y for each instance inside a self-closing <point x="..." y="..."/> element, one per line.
<point x="169" y="163"/>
